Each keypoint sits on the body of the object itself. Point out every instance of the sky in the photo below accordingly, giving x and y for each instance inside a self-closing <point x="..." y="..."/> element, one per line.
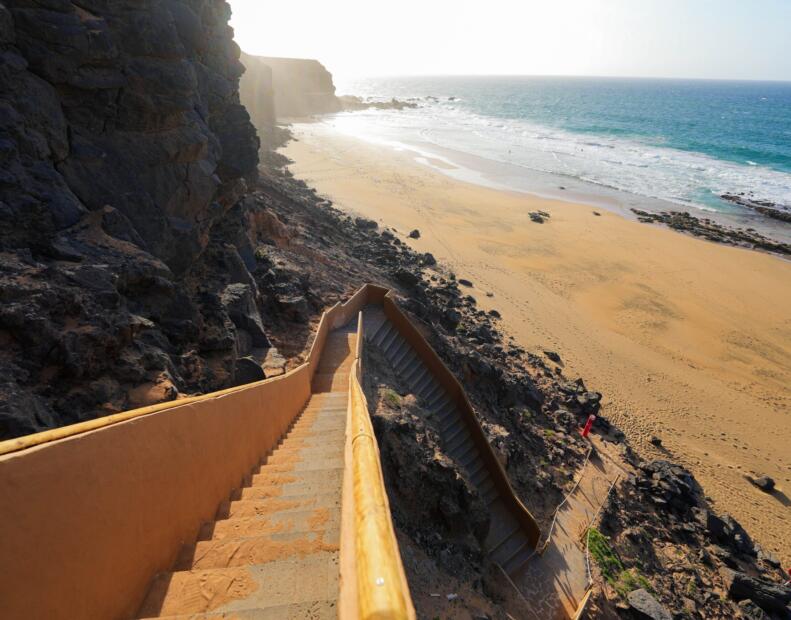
<point x="721" y="39"/>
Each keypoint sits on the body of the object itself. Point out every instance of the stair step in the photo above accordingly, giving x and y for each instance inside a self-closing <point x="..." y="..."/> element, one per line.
<point x="406" y="362"/>
<point x="308" y="434"/>
<point x="313" y="610"/>
<point x="262" y="507"/>
<point x="289" y="453"/>
<point x="413" y="374"/>
<point x="313" y="426"/>
<point x="400" y="353"/>
<point x="391" y="337"/>
<point x="281" y="522"/>
<point x="506" y="548"/>
<point x="477" y="473"/>
<point x="457" y="434"/>
<point x="296" y="468"/>
<point x="261" y="549"/>
<point x="284" y="582"/>
<point x="295" y="489"/>
<point x="330" y="382"/>
<point x="425" y="384"/>
<point x="382" y="333"/>
<point x="393" y="346"/>
<point x="328" y="476"/>
<point x="284" y="466"/>
<point x="430" y="396"/>
<point x="519" y="557"/>
<point x="462" y="450"/>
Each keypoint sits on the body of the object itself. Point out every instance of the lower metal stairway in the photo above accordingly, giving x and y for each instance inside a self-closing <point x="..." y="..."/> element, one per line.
<point x="506" y="543"/>
<point x="272" y="552"/>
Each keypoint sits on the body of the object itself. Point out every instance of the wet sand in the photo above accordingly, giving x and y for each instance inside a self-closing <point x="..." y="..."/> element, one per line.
<point x="688" y="340"/>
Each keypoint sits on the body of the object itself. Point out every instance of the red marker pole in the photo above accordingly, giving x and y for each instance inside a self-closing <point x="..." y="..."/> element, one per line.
<point x="588" y="425"/>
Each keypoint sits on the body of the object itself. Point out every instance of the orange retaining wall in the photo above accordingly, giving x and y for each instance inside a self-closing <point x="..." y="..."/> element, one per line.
<point x="89" y="513"/>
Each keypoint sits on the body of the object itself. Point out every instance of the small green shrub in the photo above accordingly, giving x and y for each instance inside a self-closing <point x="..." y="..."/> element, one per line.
<point x="622" y="580"/>
<point x="392" y="399"/>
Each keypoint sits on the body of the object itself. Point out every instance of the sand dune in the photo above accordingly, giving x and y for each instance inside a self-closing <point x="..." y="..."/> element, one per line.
<point x="687" y="340"/>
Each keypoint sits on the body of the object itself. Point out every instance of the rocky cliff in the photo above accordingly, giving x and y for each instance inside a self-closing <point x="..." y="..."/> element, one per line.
<point x="257" y="93"/>
<point x="123" y="249"/>
<point x="300" y="87"/>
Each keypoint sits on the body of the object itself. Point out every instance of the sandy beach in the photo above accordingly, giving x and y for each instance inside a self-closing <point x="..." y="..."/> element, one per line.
<point x="688" y="340"/>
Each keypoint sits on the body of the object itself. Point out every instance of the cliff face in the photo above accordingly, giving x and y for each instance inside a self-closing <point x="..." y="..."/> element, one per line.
<point x="300" y="87"/>
<point x="257" y="93"/>
<point x="124" y="151"/>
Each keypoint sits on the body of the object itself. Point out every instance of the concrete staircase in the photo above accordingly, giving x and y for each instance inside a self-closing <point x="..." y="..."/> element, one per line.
<point x="272" y="552"/>
<point x="507" y="544"/>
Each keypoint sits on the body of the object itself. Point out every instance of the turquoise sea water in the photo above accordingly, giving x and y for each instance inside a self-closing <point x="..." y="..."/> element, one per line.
<point x="683" y="141"/>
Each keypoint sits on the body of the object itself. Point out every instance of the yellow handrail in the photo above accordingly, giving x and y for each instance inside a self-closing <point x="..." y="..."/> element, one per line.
<point x="382" y="589"/>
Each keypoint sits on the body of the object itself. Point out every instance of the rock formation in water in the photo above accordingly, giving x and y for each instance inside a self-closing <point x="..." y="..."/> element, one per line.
<point x="124" y="252"/>
<point x="300" y="87"/>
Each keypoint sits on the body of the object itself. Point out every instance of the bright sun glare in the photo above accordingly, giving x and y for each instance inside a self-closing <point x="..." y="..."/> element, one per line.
<point x="670" y="38"/>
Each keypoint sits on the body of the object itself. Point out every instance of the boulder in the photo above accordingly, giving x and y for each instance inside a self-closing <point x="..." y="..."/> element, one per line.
<point x="773" y="598"/>
<point x="752" y="611"/>
<point x="552" y="355"/>
<point x="406" y="278"/>
<point x="238" y="301"/>
<point x="415" y="234"/>
<point x="765" y="483"/>
<point x="247" y="370"/>
<point x="645" y="607"/>
<point x="365" y="224"/>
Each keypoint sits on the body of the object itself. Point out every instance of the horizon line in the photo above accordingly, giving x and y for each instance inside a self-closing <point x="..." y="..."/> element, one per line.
<point x="560" y="75"/>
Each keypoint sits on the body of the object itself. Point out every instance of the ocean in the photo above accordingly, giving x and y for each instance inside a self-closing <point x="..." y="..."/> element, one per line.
<point x="684" y="142"/>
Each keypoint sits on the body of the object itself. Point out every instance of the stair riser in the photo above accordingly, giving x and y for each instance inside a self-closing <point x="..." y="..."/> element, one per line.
<point x="260" y="550"/>
<point x="280" y="523"/>
<point x="275" y="505"/>
<point x="287" y="490"/>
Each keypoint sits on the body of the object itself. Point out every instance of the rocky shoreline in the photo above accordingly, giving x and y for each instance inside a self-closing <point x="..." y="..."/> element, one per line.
<point x="764" y="207"/>
<point x="710" y="230"/>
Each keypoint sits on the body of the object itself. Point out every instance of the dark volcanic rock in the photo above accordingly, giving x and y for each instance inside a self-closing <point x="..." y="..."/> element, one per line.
<point x="710" y="230"/>
<point x="771" y="597"/>
<point x="764" y="207"/>
<point x="123" y="148"/>
<point x="248" y="371"/>
<point x="646" y="607"/>
<point x="415" y="234"/>
<point x="765" y="483"/>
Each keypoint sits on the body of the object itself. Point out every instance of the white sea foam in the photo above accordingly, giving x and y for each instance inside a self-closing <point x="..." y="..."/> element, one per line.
<point x="681" y="177"/>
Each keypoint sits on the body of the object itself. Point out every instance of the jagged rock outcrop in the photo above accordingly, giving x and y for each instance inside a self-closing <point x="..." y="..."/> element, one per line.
<point x="124" y="151"/>
<point x="301" y="87"/>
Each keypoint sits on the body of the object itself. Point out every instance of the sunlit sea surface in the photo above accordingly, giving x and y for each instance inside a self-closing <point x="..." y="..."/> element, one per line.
<point x="682" y="141"/>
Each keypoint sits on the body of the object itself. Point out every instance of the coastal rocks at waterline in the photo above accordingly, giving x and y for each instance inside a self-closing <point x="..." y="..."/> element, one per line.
<point x="352" y="103"/>
<point x="706" y="228"/>
<point x="768" y="208"/>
